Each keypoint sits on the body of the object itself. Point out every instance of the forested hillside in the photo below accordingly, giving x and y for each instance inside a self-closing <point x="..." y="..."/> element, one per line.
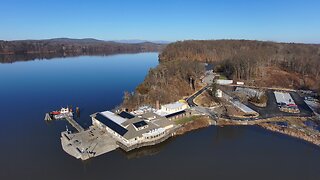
<point x="257" y="63"/>
<point x="168" y="82"/>
<point x="297" y="64"/>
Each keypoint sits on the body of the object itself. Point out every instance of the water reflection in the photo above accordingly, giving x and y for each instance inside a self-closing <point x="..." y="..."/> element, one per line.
<point x="31" y="148"/>
<point x="11" y="58"/>
<point x="146" y="151"/>
<point x="226" y="133"/>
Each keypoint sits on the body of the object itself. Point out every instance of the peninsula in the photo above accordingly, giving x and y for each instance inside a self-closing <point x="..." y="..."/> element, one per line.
<point x="182" y="95"/>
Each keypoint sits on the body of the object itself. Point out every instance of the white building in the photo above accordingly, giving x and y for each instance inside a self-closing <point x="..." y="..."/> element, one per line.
<point x="174" y="107"/>
<point x="132" y="130"/>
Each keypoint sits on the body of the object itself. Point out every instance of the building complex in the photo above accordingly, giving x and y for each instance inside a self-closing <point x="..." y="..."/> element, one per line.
<point x="146" y="126"/>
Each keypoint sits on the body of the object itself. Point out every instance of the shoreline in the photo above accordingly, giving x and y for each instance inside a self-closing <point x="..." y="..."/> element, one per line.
<point x="200" y="123"/>
<point x="313" y="139"/>
<point x="292" y="133"/>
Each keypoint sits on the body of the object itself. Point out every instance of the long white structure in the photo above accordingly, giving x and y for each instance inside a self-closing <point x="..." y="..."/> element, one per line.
<point x="249" y="92"/>
<point x="224" y="82"/>
<point x="238" y="104"/>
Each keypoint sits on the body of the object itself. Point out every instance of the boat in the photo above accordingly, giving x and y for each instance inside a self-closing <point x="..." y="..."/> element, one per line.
<point x="62" y="113"/>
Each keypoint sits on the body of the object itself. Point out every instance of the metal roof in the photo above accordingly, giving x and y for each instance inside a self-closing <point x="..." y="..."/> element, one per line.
<point x="175" y="114"/>
<point x="114" y="117"/>
<point x="111" y="124"/>
<point x="283" y="97"/>
<point x="243" y="107"/>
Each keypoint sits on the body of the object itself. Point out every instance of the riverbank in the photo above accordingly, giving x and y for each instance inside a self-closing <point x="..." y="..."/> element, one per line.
<point x="311" y="138"/>
<point x="270" y="124"/>
<point x="293" y="130"/>
<point x="197" y="123"/>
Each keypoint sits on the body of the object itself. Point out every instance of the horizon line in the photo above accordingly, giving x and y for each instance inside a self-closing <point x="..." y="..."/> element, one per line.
<point x="163" y="41"/>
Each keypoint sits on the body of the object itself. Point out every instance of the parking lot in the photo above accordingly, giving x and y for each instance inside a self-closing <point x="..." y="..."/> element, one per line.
<point x="272" y="110"/>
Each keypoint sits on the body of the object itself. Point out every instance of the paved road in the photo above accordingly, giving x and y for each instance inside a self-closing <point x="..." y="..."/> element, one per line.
<point x="206" y="111"/>
<point x="303" y="107"/>
<point x="200" y="109"/>
<point x="271" y="110"/>
<point x="191" y="98"/>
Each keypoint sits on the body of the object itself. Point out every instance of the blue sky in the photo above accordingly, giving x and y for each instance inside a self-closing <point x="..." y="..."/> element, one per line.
<point x="171" y="20"/>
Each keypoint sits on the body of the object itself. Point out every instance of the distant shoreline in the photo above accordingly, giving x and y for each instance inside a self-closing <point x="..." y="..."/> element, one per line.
<point x="24" y="50"/>
<point x="12" y="58"/>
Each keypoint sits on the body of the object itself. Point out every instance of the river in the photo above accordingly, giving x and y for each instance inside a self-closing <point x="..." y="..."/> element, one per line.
<point x="31" y="148"/>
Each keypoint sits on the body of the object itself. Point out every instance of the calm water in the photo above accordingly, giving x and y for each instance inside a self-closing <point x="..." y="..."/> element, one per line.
<point x="30" y="148"/>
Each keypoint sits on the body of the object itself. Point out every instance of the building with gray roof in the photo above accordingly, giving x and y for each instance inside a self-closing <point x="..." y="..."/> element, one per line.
<point x="131" y="130"/>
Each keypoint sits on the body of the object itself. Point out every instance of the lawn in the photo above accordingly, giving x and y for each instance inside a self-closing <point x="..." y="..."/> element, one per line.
<point x="223" y="77"/>
<point x="185" y="120"/>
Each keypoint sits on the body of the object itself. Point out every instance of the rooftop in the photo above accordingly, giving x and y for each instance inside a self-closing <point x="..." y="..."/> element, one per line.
<point x="174" y="105"/>
<point x="282" y="97"/>
<point x="111" y="124"/>
<point x="175" y="114"/>
<point x="150" y="115"/>
<point x="110" y="115"/>
<point x="243" y="107"/>
<point x="163" y="122"/>
<point x="140" y="124"/>
<point x="133" y="133"/>
<point x="128" y="128"/>
<point x="126" y="115"/>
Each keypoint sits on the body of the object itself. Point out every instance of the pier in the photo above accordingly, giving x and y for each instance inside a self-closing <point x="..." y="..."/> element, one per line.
<point x="87" y="143"/>
<point x="74" y="124"/>
<point x="67" y="114"/>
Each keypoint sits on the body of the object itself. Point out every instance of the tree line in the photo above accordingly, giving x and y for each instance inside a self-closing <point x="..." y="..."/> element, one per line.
<point x="168" y="82"/>
<point x="237" y="59"/>
<point x="243" y="59"/>
<point x="11" y="51"/>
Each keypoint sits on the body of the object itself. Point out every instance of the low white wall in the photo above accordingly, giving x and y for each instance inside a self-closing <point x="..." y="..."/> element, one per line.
<point x="224" y="82"/>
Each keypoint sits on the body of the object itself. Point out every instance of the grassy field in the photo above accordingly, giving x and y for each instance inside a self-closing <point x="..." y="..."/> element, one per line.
<point x="223" y="77"/>
<point x="186" y="119"/>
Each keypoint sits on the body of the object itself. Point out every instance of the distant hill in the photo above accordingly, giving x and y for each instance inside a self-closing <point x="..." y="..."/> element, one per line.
<point x="134" y="41"/>
<point x="85" y="40"/>
<point x="61" y="47"/>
